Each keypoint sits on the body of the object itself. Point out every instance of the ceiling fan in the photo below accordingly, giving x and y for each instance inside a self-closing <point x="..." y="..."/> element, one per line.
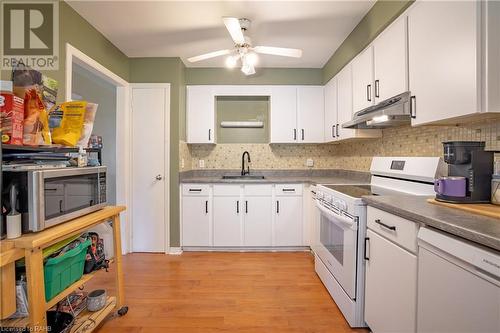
<point x="243" y="49"/>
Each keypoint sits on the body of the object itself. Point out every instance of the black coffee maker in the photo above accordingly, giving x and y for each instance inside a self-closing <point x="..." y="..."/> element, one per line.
<point x="468" y="159"/>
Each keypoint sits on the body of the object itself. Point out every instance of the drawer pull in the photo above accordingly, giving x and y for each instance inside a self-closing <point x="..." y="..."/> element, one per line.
<point x="195" y="190"/>
<point x="367" y="240"/>
<point x="390" y="227"/>
<point x="288" y="190"/>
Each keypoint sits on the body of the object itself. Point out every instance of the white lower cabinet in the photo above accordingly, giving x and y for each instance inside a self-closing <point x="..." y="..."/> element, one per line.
<point x="391" y="278"/>
<point x="227" y="221"/>
<point x="196" y="227"/>
<point x="288" y="221"/>
<point x="254" y="215"/>
<point x="257" y="221"/>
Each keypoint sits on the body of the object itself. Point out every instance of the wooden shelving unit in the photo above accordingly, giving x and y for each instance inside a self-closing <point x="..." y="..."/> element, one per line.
<point x="32" y="245"/>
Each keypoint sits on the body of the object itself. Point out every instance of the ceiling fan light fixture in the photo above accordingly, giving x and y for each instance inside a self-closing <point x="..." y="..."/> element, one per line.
<point x="251" y="58"/>
<point x="231" y="61"/>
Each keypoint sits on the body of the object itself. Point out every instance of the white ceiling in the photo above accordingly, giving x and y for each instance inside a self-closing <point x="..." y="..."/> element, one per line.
<point x="188" y="28"/>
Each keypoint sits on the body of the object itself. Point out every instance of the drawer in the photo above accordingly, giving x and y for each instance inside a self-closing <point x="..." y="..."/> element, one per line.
<point x="288" y="189"/>
<point x="195" y="189"/>
<point x="227" y="190"/>
<point x="54" y="189"/>
<point x="258" y="190"/>
<point x="397" y="229"/>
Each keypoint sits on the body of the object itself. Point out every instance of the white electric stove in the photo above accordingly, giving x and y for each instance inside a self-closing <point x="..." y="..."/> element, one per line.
<point x="339" y="241"/>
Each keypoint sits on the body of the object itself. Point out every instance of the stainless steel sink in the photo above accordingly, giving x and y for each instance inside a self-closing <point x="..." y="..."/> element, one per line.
<point x="245" y="177"/>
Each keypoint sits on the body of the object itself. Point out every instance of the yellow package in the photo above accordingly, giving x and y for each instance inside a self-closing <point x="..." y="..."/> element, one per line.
<point x="66" y="122"/>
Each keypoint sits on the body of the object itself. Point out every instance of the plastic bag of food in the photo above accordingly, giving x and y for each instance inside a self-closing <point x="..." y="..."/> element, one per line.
<point x="88" y="124"/>
<point x="66" y="122"/>
<point x="36" y="126"/>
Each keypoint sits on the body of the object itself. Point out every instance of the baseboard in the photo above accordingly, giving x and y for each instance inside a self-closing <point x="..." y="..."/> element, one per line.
<point x="246" y="249"/>
<point x="175" y="251"/>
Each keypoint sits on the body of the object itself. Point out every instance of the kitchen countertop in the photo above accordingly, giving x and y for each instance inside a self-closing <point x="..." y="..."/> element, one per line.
<point x="476" y="228"/>
<point x="334" y="176"/>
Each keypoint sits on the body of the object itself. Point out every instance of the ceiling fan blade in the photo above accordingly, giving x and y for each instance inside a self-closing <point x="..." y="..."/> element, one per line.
<point x="233" y="26"/>
<point x="209" y="55"/>
<point x="279" y="51"/>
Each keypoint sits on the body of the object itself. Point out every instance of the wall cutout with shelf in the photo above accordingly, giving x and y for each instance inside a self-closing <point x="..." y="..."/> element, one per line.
<point x="242" y="119"/>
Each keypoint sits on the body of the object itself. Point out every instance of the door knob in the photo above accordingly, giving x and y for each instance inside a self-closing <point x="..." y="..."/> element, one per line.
<point x="159" y="177"/>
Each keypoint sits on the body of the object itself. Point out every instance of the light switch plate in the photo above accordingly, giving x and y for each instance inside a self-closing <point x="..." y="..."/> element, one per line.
<point x="201" y="163"/>
<point x="310" y="162"/>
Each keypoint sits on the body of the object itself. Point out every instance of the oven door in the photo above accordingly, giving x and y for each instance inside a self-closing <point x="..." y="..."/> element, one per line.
<point x="338" y="242"/>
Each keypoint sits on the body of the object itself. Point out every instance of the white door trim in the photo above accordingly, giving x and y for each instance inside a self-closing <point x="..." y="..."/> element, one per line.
<point x="123" y="130"/>
<point x="166" y="170"/>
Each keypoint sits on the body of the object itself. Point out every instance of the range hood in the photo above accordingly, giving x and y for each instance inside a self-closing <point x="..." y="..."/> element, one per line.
<point x="392" y="112"/>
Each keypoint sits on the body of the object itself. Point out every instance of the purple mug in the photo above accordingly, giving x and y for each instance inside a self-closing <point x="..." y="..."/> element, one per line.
<point x="450" y="186"/>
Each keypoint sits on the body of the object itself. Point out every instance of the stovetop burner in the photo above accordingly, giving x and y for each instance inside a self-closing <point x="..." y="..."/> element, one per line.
<point x="355" y="191"/>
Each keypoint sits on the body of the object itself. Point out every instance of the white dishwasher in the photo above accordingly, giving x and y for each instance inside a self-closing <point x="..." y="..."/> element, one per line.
<point x="458" y="285"/>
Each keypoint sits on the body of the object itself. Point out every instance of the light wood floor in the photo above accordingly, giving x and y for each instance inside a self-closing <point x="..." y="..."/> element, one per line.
<point x="223" y="292"/>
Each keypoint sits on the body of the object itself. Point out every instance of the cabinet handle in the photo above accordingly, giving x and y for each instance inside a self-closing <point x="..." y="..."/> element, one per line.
<point x="246" y="207"/>
<point x="302" y="134"/>
<point x="333" y="131"/>
<point x="390" y="227"/>
<point x="337" y="131"/>
<point x="237" y="207"/>
<point x="195" y="190"/>
<point x="377" y="88"/>
<point x="206" y="207"/>
<point x="367" y="239"/>
<point x="277" y="207"/>
<point x="369" y="92"/>
<point x="209" y="134"/>
<point x="294" y="134"/>
<point x="288" y="190"/>
<point x="413" y="107"/>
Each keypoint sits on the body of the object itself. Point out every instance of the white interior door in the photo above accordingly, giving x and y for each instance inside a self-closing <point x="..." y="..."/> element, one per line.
<point x="150" y="113"/>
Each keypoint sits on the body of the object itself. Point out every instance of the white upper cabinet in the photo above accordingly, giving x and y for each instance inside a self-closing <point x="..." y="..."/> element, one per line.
<point x="444" y="62"/>
<point x="331" y="110"/>
<point x="362" y="80"/>
<point x="283" y="114"/>
<point x="344" y="102"/>
<point x="391" y="61"/>
<point x="200" y="114"/>
<point x="310" y="114"/>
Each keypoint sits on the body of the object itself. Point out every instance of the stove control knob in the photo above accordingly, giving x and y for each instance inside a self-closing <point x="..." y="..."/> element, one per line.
<point x="342" y="205"/>
<point x="328" y="198"/>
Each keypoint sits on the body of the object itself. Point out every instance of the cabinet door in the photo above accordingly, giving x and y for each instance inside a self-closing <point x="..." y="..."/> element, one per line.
<point x="257" y="225"/>
<point x="310" y="114"/>
<point x="195" y="221"/>
<point x="344" y="95"/>
<point x="362" y="80"/>
<point x="390" y="287"/>
<point x="227" y="221"/>
<point x="331" y="110"/>
<point x="288" y="221"/>
<point x="391" y="61"/>
<point x="284" y="114"/>
<point x="443" y="65"/>
<point x="200" y="115"/>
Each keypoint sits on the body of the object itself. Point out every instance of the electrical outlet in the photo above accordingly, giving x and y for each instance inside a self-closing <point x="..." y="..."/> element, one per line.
<point x="201" y="163"/>
<point x="310" y="162"/>
<point x="182" y="163"/>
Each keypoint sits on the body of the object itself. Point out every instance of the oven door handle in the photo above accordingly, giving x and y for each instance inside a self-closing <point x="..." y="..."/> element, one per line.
<point x="339" y="220"/>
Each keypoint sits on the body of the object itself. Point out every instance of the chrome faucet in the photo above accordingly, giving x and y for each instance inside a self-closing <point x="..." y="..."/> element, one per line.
<point x="243" y="171"/>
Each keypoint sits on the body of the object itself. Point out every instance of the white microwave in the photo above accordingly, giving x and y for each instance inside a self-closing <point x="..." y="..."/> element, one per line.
<point x="49" y="197"/>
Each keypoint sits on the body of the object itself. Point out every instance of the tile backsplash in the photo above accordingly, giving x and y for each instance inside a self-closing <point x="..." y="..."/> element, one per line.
<point x="349" y="155"/>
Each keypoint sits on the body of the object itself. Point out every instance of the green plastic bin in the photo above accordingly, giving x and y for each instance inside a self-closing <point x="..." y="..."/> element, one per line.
<point x="60" y="272"/>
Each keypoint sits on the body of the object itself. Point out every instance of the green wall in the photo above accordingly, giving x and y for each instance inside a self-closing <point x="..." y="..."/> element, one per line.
<point x="306" y="76"/>
<point x="373" y="23"/>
